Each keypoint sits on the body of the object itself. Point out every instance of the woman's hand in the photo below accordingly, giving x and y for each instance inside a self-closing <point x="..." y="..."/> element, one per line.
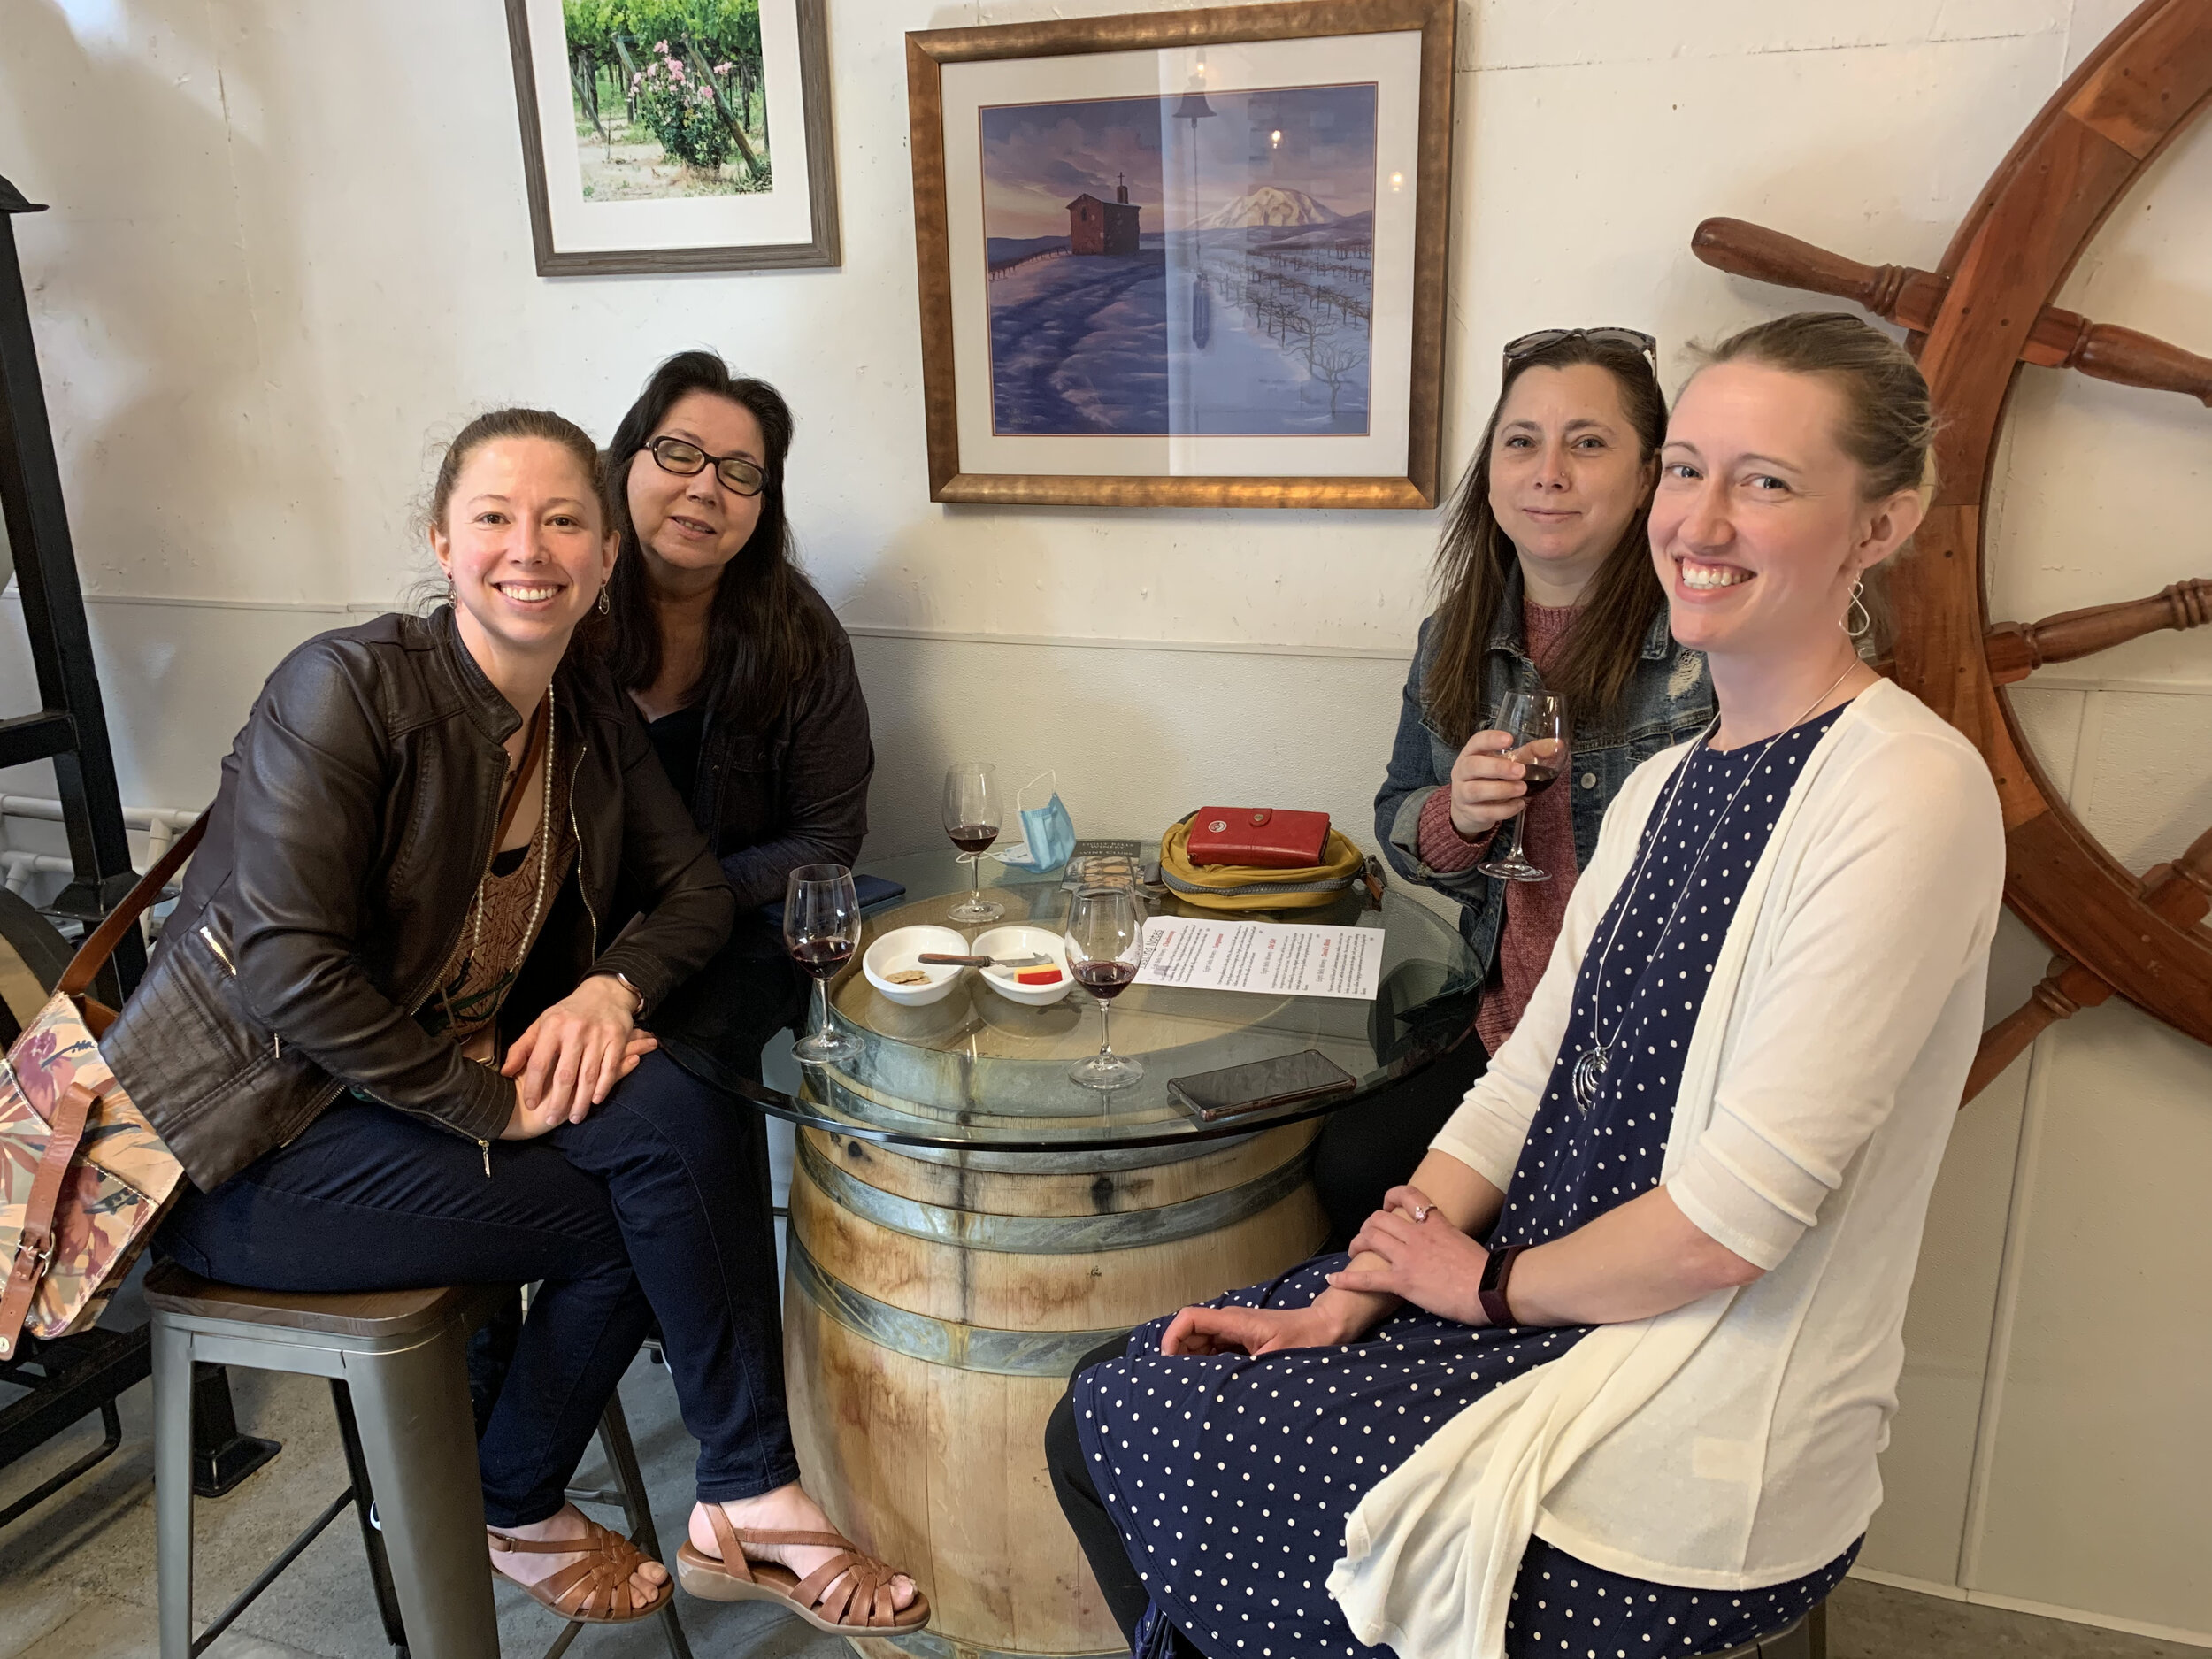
<point x="525" y="1124"/>
<point x="1486" y="786"/>
<point x="1254" y="1330"/>
<point x="576" y="1051"/>
<point x="1429" y="1262"/>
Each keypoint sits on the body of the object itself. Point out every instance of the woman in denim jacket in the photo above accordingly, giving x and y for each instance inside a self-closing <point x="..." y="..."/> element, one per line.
<point x="1547" y="581"/>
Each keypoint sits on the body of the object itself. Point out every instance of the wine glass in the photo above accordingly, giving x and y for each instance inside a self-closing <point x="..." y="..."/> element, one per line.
<point x="972" y="819"/>
<point x="1537" y="723"/>
<point x="821" y="930"/>
<point x="1105" y="942"/>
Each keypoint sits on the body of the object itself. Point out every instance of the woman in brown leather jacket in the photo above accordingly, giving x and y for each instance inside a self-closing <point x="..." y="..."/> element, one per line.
<point x="392" y="1033"/>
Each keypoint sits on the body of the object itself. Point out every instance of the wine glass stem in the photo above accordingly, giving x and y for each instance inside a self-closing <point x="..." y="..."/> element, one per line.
<point x="1520" y="827"/>
<point x="1105" y="1037"/>
<point x="975" y="875"/>
<point x="822" y="1028"/>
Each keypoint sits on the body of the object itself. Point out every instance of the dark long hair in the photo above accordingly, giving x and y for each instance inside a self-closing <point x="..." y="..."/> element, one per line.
<point x="768" y="629"/>
<point x="1598" y="657"/>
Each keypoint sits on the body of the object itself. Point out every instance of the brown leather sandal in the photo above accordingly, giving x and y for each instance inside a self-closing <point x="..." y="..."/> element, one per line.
<point x="602" y="1579"/>
<point x="863" y="1602"/>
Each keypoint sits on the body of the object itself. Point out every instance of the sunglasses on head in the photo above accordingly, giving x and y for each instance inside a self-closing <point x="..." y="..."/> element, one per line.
<point x="1544" y="339"/>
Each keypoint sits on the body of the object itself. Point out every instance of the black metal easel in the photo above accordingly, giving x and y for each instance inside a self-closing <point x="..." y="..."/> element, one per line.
<point x="70" y="726"/>
<point x="70" y="1378"/>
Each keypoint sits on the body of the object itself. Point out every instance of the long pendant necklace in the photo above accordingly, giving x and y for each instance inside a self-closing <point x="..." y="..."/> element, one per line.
<point x="541" y="844"/>
<point x="1588" y="1075"/>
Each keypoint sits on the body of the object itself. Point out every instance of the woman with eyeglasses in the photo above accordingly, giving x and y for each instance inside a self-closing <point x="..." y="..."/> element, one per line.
<point x="746" y="688"/>
<point x="1544" y="583"/>
<point x="745" y="682"/>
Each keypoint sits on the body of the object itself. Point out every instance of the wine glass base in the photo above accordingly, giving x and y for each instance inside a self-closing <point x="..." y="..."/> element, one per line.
<point x="976" y="910"/>
<point x="1506" y="869"/>
<point x="839" y="1048"/>
<point x="1108" y="1071"/>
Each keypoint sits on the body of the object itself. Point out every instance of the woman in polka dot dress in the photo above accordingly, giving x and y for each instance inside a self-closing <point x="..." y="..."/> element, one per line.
<point x="1608" y="1375"/>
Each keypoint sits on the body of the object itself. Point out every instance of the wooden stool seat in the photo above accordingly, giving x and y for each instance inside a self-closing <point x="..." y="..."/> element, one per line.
<point x="369" y="1314"/>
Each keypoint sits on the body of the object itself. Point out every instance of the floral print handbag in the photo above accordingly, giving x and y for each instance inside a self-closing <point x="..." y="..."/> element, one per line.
<point x="83" y="1177"/>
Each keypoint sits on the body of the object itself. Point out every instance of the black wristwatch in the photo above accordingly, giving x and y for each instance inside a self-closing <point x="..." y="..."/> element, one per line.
<point x="1495" y="1272"/>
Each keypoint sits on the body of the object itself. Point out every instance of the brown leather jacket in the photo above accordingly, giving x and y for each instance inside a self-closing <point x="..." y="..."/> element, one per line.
<point x="354" y="817"/>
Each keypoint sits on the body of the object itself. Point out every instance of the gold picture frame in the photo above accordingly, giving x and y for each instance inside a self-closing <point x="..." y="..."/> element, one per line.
<point x="966" y="332"/>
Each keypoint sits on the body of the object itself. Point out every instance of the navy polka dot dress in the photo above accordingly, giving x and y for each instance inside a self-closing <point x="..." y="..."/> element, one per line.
<point x="1231" y="1478"/>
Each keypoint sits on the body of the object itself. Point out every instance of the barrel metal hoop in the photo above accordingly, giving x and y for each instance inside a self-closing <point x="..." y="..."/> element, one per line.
<point x="927" y="1644"/>
<point x="981" y="1159"/>
<point x="1052" y="1235"/>
<point x="939" y="1341"/>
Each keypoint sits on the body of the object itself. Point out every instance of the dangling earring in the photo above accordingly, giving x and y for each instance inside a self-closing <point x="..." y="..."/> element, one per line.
<point x="452" y="594"/>
<point x="1858" y="621"/>
<point x="604" y="607"/>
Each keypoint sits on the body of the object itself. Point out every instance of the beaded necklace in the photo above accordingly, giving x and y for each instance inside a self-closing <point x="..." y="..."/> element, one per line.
<point x="542" y="841"/>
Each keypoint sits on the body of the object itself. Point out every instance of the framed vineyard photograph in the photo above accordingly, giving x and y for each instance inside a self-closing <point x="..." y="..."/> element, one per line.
<point x="669" y="135"/>
<point x="1185" y="258"/>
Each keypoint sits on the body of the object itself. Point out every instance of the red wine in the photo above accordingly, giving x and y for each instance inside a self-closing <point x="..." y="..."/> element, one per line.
<point x="1107" y="979"/>
<point x="973" y="838"/>
<point x="1538" y="776"/>
<point x="822" y="957"/>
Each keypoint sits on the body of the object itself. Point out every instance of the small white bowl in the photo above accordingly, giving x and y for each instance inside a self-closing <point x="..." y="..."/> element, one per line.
<point x="1024" y="941"/>
<point x="898" y="950"/>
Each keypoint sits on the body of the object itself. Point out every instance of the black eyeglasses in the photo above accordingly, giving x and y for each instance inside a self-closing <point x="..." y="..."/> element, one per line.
<point x="1544" y="339"/>
<point x="740" y="472"/>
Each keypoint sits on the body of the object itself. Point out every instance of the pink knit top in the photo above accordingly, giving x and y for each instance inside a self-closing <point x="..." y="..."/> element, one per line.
<point x="1534" y="910"/>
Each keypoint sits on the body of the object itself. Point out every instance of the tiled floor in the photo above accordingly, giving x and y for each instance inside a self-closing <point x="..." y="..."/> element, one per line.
<point x="77" y="1575"/>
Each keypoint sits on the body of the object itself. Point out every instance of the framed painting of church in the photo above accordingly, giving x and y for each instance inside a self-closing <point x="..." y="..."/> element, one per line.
<point x="1188" y="258"/>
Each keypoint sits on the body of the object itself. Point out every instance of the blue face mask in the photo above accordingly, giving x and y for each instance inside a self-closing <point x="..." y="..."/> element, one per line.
<point x="1048" y="832"/>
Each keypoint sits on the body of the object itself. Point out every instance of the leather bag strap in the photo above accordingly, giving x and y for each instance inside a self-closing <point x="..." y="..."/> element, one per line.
<point x="93" y="954"/>
<point x="35" y="1247"/>
<point x="531" y="754"/>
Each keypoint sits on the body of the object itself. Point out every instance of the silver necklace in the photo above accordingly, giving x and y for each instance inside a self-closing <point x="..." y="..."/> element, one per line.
<point x="1588" y="1076"/>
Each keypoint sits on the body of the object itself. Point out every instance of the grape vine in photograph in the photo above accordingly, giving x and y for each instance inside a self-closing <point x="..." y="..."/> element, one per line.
<point x="669" y="98"/>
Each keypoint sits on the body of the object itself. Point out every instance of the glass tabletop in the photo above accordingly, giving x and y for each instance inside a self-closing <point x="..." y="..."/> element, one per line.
<point x="979" y="1072"/>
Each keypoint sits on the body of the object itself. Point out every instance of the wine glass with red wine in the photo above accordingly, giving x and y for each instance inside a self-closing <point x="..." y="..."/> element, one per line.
<point x="972" y="819"/>
<point x="1538" y="722"/>
<point x="821" y="930"/>
<point x="1105" y="942"/>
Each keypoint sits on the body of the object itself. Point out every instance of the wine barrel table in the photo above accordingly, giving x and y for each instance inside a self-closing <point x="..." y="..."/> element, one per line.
<point x="965" y="1224"/>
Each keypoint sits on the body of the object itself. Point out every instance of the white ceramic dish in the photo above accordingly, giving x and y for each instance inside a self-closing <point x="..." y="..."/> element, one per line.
<point x="1023" y="942"/>
<point x="899" y="948"/>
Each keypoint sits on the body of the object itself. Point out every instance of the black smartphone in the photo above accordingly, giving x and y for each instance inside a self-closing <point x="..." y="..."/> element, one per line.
<point x="1308" y="1074"/>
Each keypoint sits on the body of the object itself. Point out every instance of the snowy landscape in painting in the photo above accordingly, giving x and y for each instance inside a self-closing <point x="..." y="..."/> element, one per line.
<point x="1201" y="264"/>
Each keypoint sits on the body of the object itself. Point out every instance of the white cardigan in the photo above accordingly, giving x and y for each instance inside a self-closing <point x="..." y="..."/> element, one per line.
<point x="1731" y="1444"/>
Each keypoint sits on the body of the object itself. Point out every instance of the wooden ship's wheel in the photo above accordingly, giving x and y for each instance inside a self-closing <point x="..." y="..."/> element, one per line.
<point x="1983" y="312"/>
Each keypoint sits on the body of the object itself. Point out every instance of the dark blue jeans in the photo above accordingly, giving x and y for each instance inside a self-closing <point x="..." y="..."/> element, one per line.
<point x="656" y="1189"/>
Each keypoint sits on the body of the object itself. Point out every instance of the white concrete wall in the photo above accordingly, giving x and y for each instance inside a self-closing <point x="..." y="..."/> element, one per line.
<point x="289" y="249"/>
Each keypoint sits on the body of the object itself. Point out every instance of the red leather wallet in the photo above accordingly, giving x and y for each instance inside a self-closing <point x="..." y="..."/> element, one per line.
<point x="1264" y="836"/>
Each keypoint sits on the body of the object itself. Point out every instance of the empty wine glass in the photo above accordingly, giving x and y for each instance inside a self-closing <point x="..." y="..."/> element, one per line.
<point x="1105" y="942"/>
<point x="972" y="819"/>
<point x="821" y="930"/>
<point x="1537" y="723"/>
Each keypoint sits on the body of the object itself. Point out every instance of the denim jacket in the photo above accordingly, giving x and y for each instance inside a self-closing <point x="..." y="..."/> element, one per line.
<point x="1669" y="700"/>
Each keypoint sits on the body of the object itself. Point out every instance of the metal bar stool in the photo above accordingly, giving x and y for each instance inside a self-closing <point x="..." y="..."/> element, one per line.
<point x="396" y="1364"/>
